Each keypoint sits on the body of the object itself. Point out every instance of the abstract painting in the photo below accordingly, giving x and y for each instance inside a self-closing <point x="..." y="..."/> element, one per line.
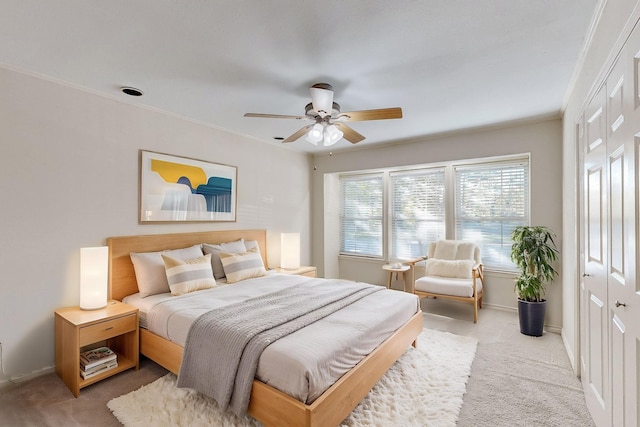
<point x="174" y="188"/>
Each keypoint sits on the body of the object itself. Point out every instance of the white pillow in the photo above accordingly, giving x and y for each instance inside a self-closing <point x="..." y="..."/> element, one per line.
<point x="460" y="269"/>
<point x="190" y="275"/>
<point x="150" y="270"/>
<point x="229" y="247"/>
<point x="466" y="250"/>
<point x="446" y="249"/>
<point x="250" y="244"/>
<point x="242" y="266"/>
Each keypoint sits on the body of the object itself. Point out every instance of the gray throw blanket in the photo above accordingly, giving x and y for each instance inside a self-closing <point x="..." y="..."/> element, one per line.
<point x="223" y="345"/>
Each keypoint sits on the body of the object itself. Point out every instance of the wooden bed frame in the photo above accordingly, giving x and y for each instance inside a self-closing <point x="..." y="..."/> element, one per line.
<point x="268" y="405"/>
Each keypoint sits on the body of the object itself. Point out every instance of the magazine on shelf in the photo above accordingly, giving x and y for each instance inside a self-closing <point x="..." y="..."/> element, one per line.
<point x="98" y="367"/>
<point x="97" y="356"/>
<point x="86" y="374"/>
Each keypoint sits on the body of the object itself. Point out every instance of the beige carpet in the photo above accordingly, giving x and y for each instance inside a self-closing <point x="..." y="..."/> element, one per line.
<point x="425" y="387"/>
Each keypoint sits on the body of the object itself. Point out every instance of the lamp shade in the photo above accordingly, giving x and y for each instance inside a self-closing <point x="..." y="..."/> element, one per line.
<point x="290" y="250"/>
<point x="315" y="134"/>
<point x="332" y="135"/>
<point x="94" y="275"/>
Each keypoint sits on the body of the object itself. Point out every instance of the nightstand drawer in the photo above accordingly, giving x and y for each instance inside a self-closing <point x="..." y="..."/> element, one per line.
<point x="107" y="329"/>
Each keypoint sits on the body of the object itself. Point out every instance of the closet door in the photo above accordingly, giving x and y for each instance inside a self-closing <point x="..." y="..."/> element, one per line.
<point x="624" y="289"/>
<point x="593" y="288"/>
<point x="609" y="291"/>
<point x="620" y="159"/>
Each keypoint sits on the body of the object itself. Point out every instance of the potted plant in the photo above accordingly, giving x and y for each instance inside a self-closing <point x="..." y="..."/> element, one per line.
<point x="533" y="251"/>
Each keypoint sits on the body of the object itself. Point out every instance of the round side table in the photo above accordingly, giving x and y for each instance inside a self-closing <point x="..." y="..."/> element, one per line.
<point x="399" y="270"/>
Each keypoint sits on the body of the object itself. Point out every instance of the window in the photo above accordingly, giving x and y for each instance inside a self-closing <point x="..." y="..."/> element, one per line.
<point x="481" y="201"/>
<point x="490" y="201"/>
<point x="361" y="215"/>
<point x="417" y="211"/>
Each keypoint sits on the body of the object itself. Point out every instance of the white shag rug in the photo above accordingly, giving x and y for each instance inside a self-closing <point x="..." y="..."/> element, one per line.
<point x="424" y="387"/>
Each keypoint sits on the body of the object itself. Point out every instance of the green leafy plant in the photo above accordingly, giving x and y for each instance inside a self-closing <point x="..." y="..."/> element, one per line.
<point x="533" y="251"/>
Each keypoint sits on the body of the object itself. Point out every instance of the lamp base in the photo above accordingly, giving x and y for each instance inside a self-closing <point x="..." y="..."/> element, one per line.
<point x="88" y="308"/>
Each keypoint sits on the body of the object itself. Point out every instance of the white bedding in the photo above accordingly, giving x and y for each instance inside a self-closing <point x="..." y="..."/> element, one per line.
<point x="305" y="363"/>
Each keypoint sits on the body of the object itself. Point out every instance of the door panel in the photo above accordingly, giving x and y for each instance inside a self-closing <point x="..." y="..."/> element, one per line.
<point x="624" y="298"/>
<point x="598" y="350"/>
<point x="595" y="227"/>
<point x="616" y="215"/>
<point x="594" y="330"/>
<point x="617" y="371"/>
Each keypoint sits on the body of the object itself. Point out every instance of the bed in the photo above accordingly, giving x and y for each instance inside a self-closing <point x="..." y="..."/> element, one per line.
<point x="267" y="404"/>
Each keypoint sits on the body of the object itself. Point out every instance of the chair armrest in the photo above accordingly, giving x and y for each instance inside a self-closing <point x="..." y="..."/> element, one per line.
<point x="478" y="271"/>
<point x="417" y="268"/>
<point x="413" y="262"/>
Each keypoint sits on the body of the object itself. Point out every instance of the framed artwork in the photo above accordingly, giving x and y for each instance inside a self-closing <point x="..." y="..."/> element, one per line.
<point x="180" y="189"/>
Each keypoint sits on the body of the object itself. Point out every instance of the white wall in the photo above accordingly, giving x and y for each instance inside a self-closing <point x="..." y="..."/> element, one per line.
<point x="614" y="23"/>
<point x="542" y="139"/>
<point x="69" y="178"/>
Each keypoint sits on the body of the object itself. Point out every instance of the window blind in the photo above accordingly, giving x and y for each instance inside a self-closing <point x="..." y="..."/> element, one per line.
<point x="490" y="201"/>
<point x="361" y="215"/>
<point x="417" y="211"/>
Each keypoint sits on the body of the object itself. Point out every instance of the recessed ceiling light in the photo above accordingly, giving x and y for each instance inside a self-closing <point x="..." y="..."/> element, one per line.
<point x="131" y="91"/>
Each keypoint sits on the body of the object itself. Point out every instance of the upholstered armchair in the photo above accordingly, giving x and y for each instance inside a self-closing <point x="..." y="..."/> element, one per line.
<point x="453" y="269"/>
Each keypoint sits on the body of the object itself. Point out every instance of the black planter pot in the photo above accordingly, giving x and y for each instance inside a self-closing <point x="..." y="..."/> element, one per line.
<point x="532" y="317"/>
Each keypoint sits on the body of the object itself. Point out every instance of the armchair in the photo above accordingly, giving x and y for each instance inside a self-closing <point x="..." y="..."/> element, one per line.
<point x="453" y="269"/>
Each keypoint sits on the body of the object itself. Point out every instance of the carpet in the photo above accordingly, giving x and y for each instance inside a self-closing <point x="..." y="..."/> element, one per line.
<point x="530" y="377"/>
<point x="424" y="387"/>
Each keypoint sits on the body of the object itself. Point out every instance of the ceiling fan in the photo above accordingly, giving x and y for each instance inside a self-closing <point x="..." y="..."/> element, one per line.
<point x="328" y="122"/>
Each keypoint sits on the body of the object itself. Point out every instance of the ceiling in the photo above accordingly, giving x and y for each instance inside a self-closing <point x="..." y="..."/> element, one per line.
<point x="450" y="64"/>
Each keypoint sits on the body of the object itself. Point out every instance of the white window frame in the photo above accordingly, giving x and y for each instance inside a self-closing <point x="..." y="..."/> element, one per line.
<point x="431" y="227"/>
<point x="359" y="253"/>
<point x="449" y="198"/>
<point x="495" y="254"/>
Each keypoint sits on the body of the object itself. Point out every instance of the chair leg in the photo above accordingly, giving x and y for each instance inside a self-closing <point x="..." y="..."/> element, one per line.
<point x="475" y="311"/>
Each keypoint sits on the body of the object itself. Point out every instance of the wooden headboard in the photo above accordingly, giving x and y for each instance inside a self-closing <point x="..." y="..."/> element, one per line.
<point x="122" y="277"/>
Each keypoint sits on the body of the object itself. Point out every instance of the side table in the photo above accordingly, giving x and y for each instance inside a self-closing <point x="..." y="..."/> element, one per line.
<point x="399" y="270"/>
<point x="116" y="325"/>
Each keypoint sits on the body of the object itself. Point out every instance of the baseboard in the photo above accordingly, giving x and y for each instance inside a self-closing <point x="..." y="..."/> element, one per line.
<point x="572" y="357"/>
<point x="548" y="328"/>
<point x="553" y="329"/>
<point x="500" y="307"/>
<point x="6" y="382"/>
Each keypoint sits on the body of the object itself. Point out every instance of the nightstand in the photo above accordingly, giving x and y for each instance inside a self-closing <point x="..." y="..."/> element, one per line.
<point x="115" y="326"/>
<point x="303" y="270"/>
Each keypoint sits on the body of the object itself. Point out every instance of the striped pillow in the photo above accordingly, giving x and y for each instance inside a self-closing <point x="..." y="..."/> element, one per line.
<point x="190" y="275"/>
<point x="150" y="270"/>
<point x="242" y="266"/>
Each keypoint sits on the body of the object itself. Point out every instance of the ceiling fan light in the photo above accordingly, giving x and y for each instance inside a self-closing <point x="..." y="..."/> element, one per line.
<point x="315" y="134"/>
<point x="332" y="135"/>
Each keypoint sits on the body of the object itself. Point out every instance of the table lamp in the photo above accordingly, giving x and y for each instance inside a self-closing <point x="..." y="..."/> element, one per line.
<point x="290" y="250"/>
<point x="94" y="275"/>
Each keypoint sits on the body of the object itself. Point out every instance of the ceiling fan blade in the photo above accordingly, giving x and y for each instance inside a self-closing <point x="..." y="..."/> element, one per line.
<point x="275" y="116"/>
<point x="380" y="114"/>
<point x="298" y="134"/>
<point x="322" y="98"/>
<point x="349" y="134"/>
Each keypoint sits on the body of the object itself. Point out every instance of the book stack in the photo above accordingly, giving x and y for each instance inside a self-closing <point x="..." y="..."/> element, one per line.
<point x="97" y="361"/>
